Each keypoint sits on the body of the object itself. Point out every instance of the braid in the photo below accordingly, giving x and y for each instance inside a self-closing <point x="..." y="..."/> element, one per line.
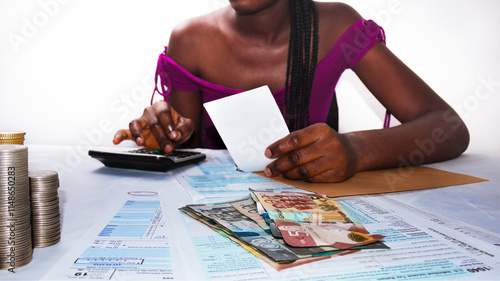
<point x="301" y="62"/>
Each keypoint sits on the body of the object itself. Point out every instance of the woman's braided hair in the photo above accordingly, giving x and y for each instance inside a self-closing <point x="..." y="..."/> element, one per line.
<point x="302" y="60"/>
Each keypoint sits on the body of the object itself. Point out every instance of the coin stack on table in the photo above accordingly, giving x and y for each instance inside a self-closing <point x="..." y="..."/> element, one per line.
<point x="16" y="248"/>
<point x="45" y="216"/>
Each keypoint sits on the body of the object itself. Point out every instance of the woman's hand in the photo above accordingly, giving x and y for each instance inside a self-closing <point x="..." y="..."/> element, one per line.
<point x="159" y="127"/>
<point x="314" y="154"/>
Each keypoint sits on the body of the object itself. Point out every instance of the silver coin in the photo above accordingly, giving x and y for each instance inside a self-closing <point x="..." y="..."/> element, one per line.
<point x="15" y="205"/>
<point x="45" y="216"/>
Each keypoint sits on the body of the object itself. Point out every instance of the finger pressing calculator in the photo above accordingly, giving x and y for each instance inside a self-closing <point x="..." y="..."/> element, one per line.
<point x="147" y="159"/>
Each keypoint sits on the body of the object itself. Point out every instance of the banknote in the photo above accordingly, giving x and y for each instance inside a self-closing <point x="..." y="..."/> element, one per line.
<point x="311" y="220"/>
<point x="342" y="236"/>
<point x="295" y="201"/>
<point x="248" y="207"/>
<point x="290" y="264"/>
<point x="245" y="229"/>
<point x="302" y="259"/>
<point x="299" y="207"/>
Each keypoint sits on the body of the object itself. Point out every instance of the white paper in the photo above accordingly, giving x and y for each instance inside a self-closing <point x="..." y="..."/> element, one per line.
<point x="216" y="177"/>
<point x="248" y="123"/>
<point x="129" y="243"/>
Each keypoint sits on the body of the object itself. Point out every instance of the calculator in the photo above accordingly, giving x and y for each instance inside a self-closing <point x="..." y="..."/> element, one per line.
<point x="147" y="159"/>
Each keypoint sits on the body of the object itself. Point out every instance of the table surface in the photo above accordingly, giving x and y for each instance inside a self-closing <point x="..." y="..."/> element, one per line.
<point x="86" y="188"/>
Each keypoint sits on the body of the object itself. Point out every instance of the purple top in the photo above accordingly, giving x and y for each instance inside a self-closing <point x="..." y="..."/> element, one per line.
<point x="344" y="54"/>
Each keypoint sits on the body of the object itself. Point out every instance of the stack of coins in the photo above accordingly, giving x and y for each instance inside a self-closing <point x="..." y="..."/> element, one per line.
<point x="12" y="138"/>
<point x="15" y="224"/>
<point x="45" y="217"/>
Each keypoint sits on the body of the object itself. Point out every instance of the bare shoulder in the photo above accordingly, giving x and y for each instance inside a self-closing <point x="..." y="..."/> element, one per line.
<point x="188" y="39"/>
<point x="337" y="14"/>
<point x="335" y="18"/>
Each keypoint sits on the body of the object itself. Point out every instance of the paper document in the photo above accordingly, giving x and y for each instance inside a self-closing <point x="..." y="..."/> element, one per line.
<point x="129" y="244"/>
<point x="248" y="123"/>
<point x="217" y="177"/>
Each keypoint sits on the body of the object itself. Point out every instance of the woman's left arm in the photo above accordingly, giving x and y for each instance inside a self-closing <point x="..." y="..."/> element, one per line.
<point x="430" y="130"/>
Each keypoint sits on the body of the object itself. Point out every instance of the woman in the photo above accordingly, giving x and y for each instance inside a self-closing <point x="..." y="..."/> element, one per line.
<point x="285" y="44"/>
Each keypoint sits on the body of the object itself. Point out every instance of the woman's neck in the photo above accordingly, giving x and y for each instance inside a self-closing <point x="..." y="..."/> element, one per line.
<point x="264" y="26"/>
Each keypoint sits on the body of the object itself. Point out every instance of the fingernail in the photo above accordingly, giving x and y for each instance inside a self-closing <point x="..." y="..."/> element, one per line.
<point x="268" y="172"/>
<point x="268" y="153"/>
<point x="168" y="148"/>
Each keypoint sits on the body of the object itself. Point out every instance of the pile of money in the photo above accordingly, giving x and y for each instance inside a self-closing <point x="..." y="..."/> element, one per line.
<point x="286" y="229"/>
<point x="45" y="216"/>
<point x="15" y="225"/>
<point x="7" y="138"/>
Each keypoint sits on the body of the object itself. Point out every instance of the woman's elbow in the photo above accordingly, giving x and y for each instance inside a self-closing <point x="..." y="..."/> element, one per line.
<point x="459" y="137"/>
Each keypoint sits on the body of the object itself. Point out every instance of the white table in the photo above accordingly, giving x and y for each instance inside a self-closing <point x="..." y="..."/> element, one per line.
<point x="86" y="188"/>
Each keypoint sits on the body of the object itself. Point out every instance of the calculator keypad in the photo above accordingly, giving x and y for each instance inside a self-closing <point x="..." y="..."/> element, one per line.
<point x="176" y="154"/>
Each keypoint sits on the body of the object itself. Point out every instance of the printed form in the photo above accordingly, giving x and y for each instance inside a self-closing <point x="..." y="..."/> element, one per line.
<point x="130" y="243"/>
<point x="218" y="177"/>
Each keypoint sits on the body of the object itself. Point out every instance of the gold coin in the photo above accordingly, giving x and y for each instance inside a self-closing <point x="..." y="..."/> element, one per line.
<point x="9" y="138"/>
<point x="12" y="134"/>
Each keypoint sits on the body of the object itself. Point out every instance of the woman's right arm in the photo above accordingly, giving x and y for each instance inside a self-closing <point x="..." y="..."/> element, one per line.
<point x="168" y="125"/>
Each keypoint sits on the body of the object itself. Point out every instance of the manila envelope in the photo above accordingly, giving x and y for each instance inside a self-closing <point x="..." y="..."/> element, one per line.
<point x="385" y="181"/>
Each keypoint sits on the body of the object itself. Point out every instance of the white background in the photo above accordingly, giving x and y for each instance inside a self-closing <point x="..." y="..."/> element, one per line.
<point x="73" y="72"/>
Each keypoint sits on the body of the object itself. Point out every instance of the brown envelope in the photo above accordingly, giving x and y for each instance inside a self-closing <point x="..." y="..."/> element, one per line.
<point x="384" y="181"/>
